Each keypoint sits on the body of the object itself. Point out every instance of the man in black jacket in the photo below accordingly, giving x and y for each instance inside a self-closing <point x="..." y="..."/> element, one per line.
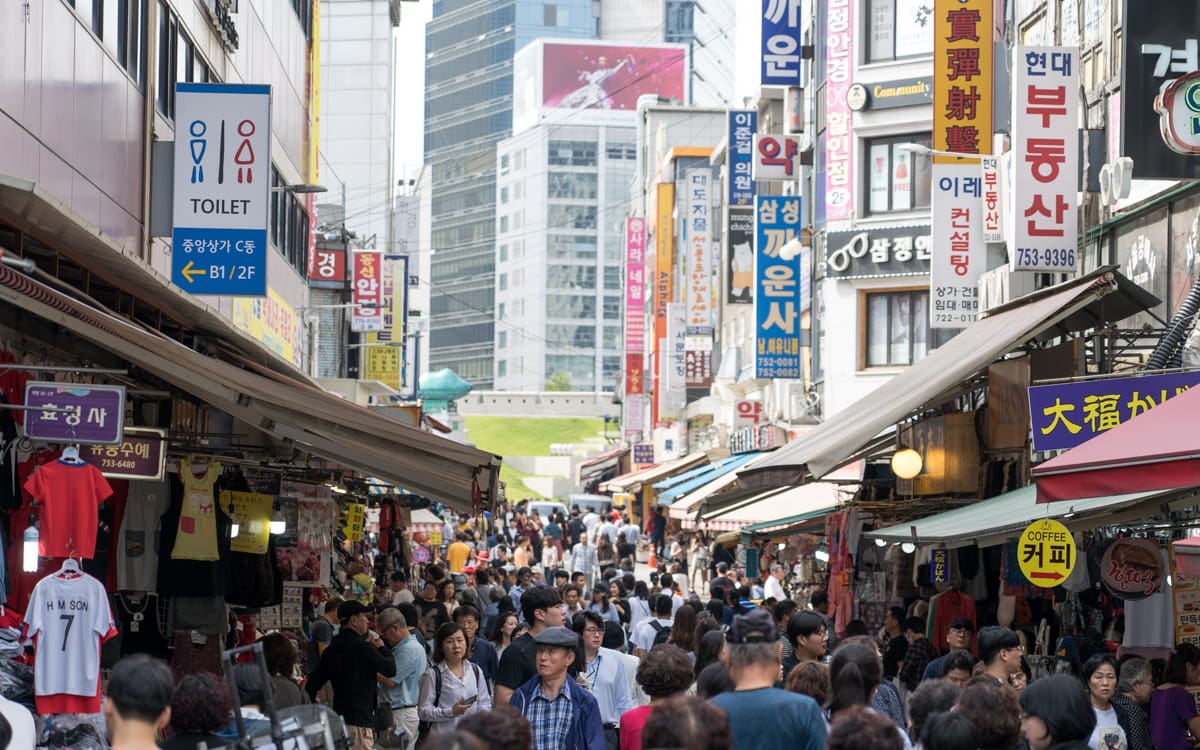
<point x="350" y="663"/>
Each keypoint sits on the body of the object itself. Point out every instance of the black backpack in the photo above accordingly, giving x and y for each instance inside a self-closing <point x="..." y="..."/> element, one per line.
<point x="661" y="633"/>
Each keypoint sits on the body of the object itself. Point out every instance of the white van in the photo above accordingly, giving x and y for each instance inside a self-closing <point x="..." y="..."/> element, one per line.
<point x="601" y="504"/>
<point x="546" y="509"/>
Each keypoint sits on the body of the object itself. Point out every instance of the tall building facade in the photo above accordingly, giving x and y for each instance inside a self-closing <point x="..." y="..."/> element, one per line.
<point x="470" y="46"/>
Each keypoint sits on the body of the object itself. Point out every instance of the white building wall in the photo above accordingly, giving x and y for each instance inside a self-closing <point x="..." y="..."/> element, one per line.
<point x="713" y="54"/>
<point x="631" y="20"/>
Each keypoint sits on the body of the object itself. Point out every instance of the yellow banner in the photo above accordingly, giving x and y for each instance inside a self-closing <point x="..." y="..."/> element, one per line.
<point x="269" y="320"/>
<point x="253" y="514"/>
<point x="356" y="517"/>
<point x="962" y="77"/>
<point x="383" y="364"/>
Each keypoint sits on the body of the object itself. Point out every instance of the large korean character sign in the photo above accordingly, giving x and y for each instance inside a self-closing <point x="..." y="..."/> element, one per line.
<point x="367" y="314"/>
<point x="1045" y="228"/>
<point x="778" y="282"/>
<point x="781" y="42"/>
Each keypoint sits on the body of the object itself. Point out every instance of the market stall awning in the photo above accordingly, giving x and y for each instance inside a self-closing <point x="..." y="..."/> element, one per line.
<point x="425" y="521"/>
<point x="696" y="478"/>
<point x="686" y="506"/>
<point x="633" y="481"/>
<point x="809" y="500"/>
<point x="1158" y="449"/>
<point x="287" y="409"/>
<point x="939" y="377"/>
<point x="599" y="464"/>
<point x="998" y="519"/>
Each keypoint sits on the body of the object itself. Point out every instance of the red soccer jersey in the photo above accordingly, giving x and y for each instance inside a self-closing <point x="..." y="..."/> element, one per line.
<point x="69" y="495"/>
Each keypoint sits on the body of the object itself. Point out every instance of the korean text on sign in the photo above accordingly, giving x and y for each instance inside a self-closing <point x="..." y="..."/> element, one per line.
<point x="781" y="42"/>
<point x="743" y="123"/>
<point x="1044" y="231"/>
<point x="777" y="298"/>
<point x="959" y="252"/>
<point x="1046" y="553"/>
<point x="367" y="314"/>
<point x="839" y="135"/>
<point x="635" y="287"/>
<point x="1065" y="415"/>
<point x="68" y="413"/>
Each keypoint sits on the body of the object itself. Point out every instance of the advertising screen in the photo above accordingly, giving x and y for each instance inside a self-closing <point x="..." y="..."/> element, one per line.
<point x="598" y="76"/>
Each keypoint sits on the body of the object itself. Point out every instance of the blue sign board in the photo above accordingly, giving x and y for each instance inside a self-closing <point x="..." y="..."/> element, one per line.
<point x="222" y="189"/>
<point x="1065" y="415"/>
<point x="778" y="293"/>
<point x="643" y="454"/>
<point x="781" y="42"/>
<point x="743" y="124"/>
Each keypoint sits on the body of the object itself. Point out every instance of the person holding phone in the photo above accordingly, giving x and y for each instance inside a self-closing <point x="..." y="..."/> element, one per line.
<point x="453" y="686"/>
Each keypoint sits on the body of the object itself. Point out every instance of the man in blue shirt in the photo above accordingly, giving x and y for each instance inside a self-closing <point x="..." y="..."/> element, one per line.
<point x="761" y="716"/>
<point x="561" y="714"/>
<point x="402" y="689"/>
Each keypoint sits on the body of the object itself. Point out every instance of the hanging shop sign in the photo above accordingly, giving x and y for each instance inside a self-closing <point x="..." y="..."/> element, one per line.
<point x="356" y="519"/>
<point x="97" y="416"/>
<point x="740" y="274"/>
<point x="1065" y="415"/>
<point x="761" y="438"/>
<point x="635" y="291"/>
<point x="1045" y="225"/>
<point x="698" y="241"/>
<point x="643" y="454"/>
<point x="904" y="92"/>
<point x="878" y="253"/>
<point x="1046" y="553"/>
<point x="253" y="513"/>
<point x="367" y="314"/>
<point x="959" y="252"/>
<point x="1133" y="569"/>
<point x="778" y="288"/>
<point x="420" y="555"/>
<point x="1161" y="40"/>
<point x="1185" y="590"/>
<point x="328" y="268"/>
<point x="747" y="413"/>
<point x="838" y="195"/>
<point x="993" y="201"/>
<point x="672" y="383"/>
<point x="271" y="321"/>
<point x="222" y="188"/>
<point x="743" y="124"/>
<point x="781" y="42"/>
<point x="1179" y="114"/>
<point x="141" y="454"/>
<point x="775" y="156"/>
<point x="939" y="566"/>
<point x="220" y="15"/>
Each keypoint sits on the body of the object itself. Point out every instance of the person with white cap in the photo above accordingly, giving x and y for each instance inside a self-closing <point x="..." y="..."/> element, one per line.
<point x="562" y="715"/>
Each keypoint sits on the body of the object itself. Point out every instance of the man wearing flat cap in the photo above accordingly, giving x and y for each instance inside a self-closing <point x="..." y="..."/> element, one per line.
<point x="561" y="714"/>
<point x="761" y="716"/>
<point x="354" y="656"/>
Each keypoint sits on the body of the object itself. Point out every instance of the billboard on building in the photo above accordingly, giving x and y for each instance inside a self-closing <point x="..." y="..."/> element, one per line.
<point x="610" y="76"/>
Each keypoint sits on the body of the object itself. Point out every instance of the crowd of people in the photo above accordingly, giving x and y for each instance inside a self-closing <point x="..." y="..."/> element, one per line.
<point x="585" y="655"/>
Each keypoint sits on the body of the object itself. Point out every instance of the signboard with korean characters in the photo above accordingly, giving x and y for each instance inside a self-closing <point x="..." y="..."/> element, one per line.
<point x="743" y="124"/>
<point x="1045" y="224"/>
<point x="775" y="156"/>
<point x="643" y="454"/>
<point x="96" y="416"/>
<point x="959" y="252"/>
<point x="838" y="153"/>
<point x="778" y="281"/>
<point x="367" y="314"/>
<point x="328" y="268"/>
<point x="879" y="252"/>
<point x="1065" y="415"/>
<point x="993" y="199"/>
<point x="747" y="413"/>
<point x="222" y="188"/>
<point x="141" y="454"/>
<point x="781" y="21"/>
<point x="1133" y="568"/>
<point x="1046" y="553"/>
<point x="635" y="293"/>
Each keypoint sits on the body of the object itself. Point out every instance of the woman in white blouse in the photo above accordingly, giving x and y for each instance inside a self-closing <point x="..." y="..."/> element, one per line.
<point x="453" y="686"/>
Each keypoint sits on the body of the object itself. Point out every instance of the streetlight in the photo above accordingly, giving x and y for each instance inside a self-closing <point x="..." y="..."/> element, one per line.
<point x="300" y="189"/>
<point x="920" y="148"/>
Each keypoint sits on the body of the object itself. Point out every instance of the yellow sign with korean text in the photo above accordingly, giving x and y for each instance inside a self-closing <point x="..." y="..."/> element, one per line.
<point x="356" y="518"/>
<point x="383" y="364"/>
<point x="1046" y="553"/>
<point x="253" y="514"/>
<point x="962" y="77"/>
<point x="269" y="320"/>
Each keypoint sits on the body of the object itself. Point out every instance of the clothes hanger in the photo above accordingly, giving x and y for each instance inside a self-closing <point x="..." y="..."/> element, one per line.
<point x="70" y="567"/>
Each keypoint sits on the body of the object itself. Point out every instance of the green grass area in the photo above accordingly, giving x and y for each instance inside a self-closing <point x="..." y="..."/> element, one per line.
<point x="530" y="436"/>
<point x="514" y="486"/>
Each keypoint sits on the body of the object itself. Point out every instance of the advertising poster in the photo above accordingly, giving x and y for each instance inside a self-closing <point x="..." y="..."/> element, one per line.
<point x="597" y="76"/>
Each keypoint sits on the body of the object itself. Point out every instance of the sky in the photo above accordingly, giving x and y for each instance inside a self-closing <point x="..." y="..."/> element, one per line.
<point x="410" y="87"/>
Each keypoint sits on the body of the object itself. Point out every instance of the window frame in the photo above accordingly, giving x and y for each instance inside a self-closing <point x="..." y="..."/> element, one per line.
<point x="864" y="326"/>
<point x="868" y="22"/>
<point x="893" y="140"/>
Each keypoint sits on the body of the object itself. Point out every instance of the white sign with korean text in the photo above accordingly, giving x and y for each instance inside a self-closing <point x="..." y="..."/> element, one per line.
<point x="775" y="156"/>
<point x="993" y="205"/>
<point x="672" y="390"/>
<point x="747" y="413"/>
<point x="698" y="233"/>
<point x="1044" y="235"/>
<point x="959" y="252"/>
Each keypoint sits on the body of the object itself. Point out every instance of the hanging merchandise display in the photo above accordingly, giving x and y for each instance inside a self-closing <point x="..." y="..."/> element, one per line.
<point x="139" y="536"/>
<point x="197" y="535"/>
<point x="69" y="492"/>
<point x="68" y="619"/>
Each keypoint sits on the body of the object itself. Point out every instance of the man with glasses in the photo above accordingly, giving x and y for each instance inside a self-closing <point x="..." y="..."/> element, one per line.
<point x="958" y="636"/>
<point x="603" y="673"/>
<point x="1000" y="650"/>
<point x="402" y="689"/>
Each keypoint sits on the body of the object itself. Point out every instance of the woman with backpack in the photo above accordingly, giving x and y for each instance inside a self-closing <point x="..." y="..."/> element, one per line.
<point x="453" y="686"/>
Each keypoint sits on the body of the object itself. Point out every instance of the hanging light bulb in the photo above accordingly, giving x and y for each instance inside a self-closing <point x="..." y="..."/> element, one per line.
<point x="880" y="543"/>
<point x="906" y="463"/>
<point x="29" y="550"/>
<point x="908" y="548"/>
<point x="234" y="527"/>
<point x="278" y="524"/>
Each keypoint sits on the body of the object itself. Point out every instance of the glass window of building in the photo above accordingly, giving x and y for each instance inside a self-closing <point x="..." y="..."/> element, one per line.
<point x="898" y="29"/>
<point x="577" y="246"/>
<point x="897" y="327"/>
<point x="571" y="185"/>
<point x="572" y="153"/>
<point x="570" y="217"/>
<point x="897" y="179"/>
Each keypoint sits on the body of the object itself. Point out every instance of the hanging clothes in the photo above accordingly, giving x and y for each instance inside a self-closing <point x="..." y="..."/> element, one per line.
<point x="945" y="608"/>
<point x="138" y="542"/>
<point x="70" y="495"/>
<point x="196" y="538"/>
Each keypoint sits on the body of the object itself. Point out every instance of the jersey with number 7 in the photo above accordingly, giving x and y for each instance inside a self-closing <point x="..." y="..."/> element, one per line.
<point x="69" y="616"/>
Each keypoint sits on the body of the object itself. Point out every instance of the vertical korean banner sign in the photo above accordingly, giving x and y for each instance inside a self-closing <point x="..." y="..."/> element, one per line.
<point x="743" y="124"/>
<point x="664" y="241"/>
<point x="781" y="42"/>
<point x="839" y="127"/>
<point x="1044" y="232"/>
<point x="962" y="123"/>
<point x="777" y="288"/>
<point x="672" y="388"/>
<point x="367" y="314"/>
<point x="635" y="301"/>
<point x="698" y="297"/>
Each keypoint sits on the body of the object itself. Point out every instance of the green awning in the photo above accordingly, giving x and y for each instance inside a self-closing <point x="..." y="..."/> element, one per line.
<point x="1004" y="517"/>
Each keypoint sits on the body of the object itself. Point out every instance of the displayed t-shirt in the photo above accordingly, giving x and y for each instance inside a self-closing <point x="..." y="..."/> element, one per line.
<point x="69" y="617"/>
<point x="138" y="541"/>
<point x="70" y="495"/>
<point x="1108" y="734"/>
<point x="197" y="535"/>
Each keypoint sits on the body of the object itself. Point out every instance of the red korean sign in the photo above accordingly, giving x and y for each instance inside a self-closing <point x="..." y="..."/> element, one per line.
<point x="634" y="376"/>
<point x="775" y="156"/>
<point x="1044" y="216"/>
<point x="367" y="314"/>
<point x="327" y="265"/>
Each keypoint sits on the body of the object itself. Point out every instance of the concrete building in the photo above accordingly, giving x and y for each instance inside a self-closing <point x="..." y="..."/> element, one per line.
<point x="468" y="109"/>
